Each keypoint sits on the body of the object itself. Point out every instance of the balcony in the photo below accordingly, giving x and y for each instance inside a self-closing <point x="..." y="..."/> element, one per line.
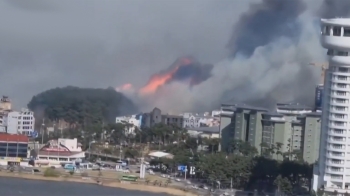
<point x="339" y="88"/>
<point x="336" y="43"/>
<point x="335" y="164"/>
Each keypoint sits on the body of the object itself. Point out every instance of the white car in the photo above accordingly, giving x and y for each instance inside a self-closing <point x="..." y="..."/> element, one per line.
<point x="178" y="180"/>
<point x="195" y="187"/>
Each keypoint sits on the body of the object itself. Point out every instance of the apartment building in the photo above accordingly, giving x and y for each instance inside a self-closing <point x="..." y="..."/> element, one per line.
<point x="155" y="117"/>
<point x="21" y="122"/>
<point x="293" y="125"/>
<point x="241" y="122"/>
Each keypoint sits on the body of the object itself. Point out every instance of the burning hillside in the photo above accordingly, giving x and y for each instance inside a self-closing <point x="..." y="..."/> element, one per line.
<point x="185" y="69"/>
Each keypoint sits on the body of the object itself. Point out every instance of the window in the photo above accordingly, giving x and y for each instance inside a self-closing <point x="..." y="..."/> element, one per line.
<point x="342" y="78"/>
<point x="346" y="32"/>
<point x="330" y="52"/>
<point x="336" y="31"/>
<point x="343" y="69"/>
<point x="340" y="85"/>
<point x="342" y="53"/>
<point x="327" y="30"/>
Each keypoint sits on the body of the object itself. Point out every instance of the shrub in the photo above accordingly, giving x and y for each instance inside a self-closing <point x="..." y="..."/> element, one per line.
<point x="49" y="172"/>
<point x="71" y="173"/>
<point x="84" y="174"/>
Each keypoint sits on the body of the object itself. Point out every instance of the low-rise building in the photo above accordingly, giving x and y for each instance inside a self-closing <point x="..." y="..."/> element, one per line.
<point x="13" y="148"/>
<point x="155" y="117"/>
<point x="204" y="132"/>
<point x="133" y="122"/>
<point x="176" y="120"/>
<point x="61" y="151"/>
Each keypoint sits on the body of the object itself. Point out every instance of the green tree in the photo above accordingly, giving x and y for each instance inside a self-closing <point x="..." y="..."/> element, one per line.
<point x="283" y="185"/>
<point x="80" y="107"/>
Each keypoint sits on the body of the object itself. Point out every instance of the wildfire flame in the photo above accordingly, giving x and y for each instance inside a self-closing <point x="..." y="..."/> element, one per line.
<point x="185" y="69"/>
<point x="158" y="80"/>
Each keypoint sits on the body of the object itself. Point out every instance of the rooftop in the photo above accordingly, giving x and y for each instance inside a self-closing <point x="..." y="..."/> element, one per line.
<point x="292" y="106"/>
<point x="13" y="138"/>
<point x="206" y="129"/>
<point x="232" y="107"/>
<point x="336" y="21"/>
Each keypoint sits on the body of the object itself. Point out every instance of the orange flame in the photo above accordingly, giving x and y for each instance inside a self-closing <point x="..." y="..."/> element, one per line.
<point x="159" y="80"/>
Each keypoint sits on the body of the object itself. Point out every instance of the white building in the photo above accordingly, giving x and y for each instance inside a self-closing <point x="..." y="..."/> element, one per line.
<point x="332" y="172"/>
<point x="19" y="122"/>
<point x="134" y="121"/>
<point x="60" y="151"/>
<point x="196" y="120"/>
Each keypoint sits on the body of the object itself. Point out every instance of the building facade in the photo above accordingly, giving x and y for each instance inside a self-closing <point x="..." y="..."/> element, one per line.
<point x="241" y="122"/>
<point x="293" y="127"/>
<point x="332" y="173"/>
<point x="13" y="148"/>
<point x="135" y="121"/>
<point x="61" y="151"/>
<point x="19" y="122"/>
<point x="155" y="117"/>
<point x="196" y="120"/>
<point x="176" y="120"/>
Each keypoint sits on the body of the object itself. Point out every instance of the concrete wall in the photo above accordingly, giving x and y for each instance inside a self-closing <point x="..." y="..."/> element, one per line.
<point x="312" y="139"/>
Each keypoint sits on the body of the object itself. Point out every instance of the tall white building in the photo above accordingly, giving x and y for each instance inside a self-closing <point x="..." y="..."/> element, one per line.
<point x="332" y="172"/>
<point x="19" y="122"/>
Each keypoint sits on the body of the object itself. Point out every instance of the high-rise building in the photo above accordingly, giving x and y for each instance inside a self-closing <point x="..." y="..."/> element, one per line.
<point x="332" y="172"/>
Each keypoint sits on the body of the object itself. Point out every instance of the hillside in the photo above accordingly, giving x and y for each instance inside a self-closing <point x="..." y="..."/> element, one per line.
<point x="81" y="105"/>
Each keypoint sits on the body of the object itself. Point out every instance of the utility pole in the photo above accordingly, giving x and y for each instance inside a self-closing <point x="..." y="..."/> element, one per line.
<point x="185" y="171"/>
<point x="120" y="151"/>
<point x="43" y="131"/>
<point x="231" y="184"/>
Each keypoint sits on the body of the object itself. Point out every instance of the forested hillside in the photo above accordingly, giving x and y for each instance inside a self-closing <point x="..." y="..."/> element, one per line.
<point x="81" y="105"/>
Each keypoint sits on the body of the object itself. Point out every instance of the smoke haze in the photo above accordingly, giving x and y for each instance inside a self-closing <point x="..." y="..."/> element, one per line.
<point x="260" y="48"/>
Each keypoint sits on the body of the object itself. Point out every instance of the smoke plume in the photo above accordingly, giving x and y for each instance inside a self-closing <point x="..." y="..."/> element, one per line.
<point x="334" y="8"/>
<point x="271" y="47"/>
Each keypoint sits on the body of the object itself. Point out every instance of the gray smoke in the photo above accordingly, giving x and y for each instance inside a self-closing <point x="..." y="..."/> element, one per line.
<point x="265" y="22"/>
<point x="334" y="8"/>
<point x="271" y="45"/>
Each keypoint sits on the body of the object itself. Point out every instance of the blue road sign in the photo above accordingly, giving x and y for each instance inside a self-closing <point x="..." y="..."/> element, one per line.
<point x="33" y="134"/>
<point x="181" y="168"/>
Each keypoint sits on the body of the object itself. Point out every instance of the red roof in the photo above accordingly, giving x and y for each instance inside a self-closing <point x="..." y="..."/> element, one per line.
<point x="4" y="137"/>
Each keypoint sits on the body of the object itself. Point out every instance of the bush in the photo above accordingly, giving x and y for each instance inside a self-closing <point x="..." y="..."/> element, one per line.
<point x="49" y="172"/>
<point x="84" y="174"/>
<point x="71" y="173"/>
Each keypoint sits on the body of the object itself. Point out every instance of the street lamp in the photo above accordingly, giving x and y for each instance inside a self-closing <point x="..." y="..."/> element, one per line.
<point x="93" y="141"/>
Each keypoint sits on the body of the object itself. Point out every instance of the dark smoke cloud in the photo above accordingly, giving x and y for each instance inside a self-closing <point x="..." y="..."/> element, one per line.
<point x="334" y="8"/>
<point x="265" y="22"/>
<point x="194" y="73"/>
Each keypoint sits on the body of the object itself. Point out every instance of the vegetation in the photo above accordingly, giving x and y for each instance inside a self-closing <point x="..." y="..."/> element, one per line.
<point x="241" y="165"/>
<point x="50" y="172"/>
<point x="84" y="110"/>
<point x="81" y="105"/>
